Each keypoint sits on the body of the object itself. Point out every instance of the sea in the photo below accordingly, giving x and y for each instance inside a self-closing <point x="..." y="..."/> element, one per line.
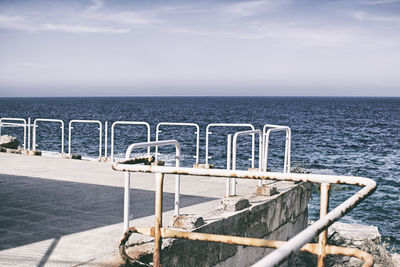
<point x="357" y="136"/>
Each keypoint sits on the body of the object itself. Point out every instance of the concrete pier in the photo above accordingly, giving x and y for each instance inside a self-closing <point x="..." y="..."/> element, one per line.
<point x="62" y="212"/>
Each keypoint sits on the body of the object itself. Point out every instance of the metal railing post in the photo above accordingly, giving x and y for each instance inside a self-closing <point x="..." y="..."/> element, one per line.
<point x="323" y="211"/>
<point x="228" y="164"/>
<point x="105" y="139"/>
<point x="177" y="165"/>
<point x="69" y="138"/>
<point x="100" y="139"/>
<point x="127" y="189"/>
<point x="266" y="136"/>
<point x="29" y="133"/>
<point x="158" y="219"/>
<point x="251" y="132"/>
<point x="177" y="182"/>
<point x="62" y="137"/>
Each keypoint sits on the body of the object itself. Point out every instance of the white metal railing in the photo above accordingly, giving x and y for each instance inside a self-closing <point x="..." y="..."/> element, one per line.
<point x="181" y="124"/>
<point x="266" y="136"/>
<point x="84" y="121"/>
<point x="10" y="124"/>
<point x="127" y="174"/>
<point x="35" y="125"/>
<point x="128" y="123"/>
<point x="230" y="125"/>
<point x="29" y="133"/>
<point x="260" y="156"/>
<point x="105" y="139"/>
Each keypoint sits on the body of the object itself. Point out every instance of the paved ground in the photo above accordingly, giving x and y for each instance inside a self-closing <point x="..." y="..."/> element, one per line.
<point x="61" y="212"/>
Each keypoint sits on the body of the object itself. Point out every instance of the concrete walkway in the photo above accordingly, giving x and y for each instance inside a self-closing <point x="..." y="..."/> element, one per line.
<point x="61" y="212"/>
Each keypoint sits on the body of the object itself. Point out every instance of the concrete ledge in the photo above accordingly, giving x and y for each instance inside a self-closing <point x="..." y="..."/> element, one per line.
<point x="277" y="217"/>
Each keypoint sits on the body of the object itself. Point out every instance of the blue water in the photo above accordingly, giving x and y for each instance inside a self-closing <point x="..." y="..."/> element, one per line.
<point x="349" y="136"/>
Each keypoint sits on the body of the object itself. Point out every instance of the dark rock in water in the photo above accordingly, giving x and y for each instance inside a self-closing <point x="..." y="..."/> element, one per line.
<point x="8" y="141"/>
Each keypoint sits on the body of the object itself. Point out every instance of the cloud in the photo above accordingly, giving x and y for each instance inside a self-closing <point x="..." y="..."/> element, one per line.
<point x="249" y="8"/>
<point x="26" y="24"/>
<point x="364" y="16"/>
<point x="96" y="4"/>
<point x="126" y="17"/>
<point x="381" y="2"/>
<point x="80" y="28"/>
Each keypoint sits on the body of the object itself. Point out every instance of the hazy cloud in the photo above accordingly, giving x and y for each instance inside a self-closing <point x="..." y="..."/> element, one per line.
<point x="96" y="4"/>
<point x="22" y="23"/>
<point x="364" y="16"/>
<point x="249" y="8"/>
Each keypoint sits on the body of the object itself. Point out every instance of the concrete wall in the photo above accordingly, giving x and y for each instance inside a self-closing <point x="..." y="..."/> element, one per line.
<point x="278" y="217"/>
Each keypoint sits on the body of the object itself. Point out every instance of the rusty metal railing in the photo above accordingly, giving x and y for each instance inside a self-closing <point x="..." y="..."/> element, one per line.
<point x="283" y="249"/>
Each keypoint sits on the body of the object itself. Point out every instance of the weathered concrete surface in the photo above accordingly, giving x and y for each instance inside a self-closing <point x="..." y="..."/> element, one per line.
<point x="277" y="217"/>
<point x="353" y="235"/>
<point x="364" y="237"/>
<point x="61" y="212"/>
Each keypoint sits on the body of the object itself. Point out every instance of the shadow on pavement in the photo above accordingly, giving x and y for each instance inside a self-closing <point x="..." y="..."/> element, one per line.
<point x="35" y="209"/>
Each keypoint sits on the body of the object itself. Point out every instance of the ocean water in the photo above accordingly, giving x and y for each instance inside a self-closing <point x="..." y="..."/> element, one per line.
<point x="335" y="135"/>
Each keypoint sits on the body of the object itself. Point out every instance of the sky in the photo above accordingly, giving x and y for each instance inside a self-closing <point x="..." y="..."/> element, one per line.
<point x="168" y="48"/>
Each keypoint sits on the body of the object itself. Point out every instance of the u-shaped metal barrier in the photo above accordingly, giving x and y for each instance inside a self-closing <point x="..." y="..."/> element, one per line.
<point x="10" y="124"/>
<point x="266" y="135"/>
<point x="260" y="155"/>
<point x="84" y="121"/>
<point x="128" y="123"/>
<point x="128" y="177"/>
<point x="181" y="124"/>
<point x="229" y="125"/>
<point x="35" y="125"/>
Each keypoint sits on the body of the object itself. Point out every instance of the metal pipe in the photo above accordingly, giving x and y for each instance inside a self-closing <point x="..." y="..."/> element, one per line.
<point x="127" y="188"/>
<point x="181" y="124"/>
<point x="105" y="139"/>
<point x="128" y="123"/>
<point x="35" y="125"/>
<point x="227" y="125"/>
<point x="14" y="125"/>
<point x="228" y="164"/>
<point x="237" y="134"/>
<point x="158" y="220"/>
<point x="177" y="181"/>
<point x="324" y="234"/>
<point x="293" y="177"/>
<point x="266" y="135"/>
<point x="84" y="121"/>
<point x="29" y="133"/>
